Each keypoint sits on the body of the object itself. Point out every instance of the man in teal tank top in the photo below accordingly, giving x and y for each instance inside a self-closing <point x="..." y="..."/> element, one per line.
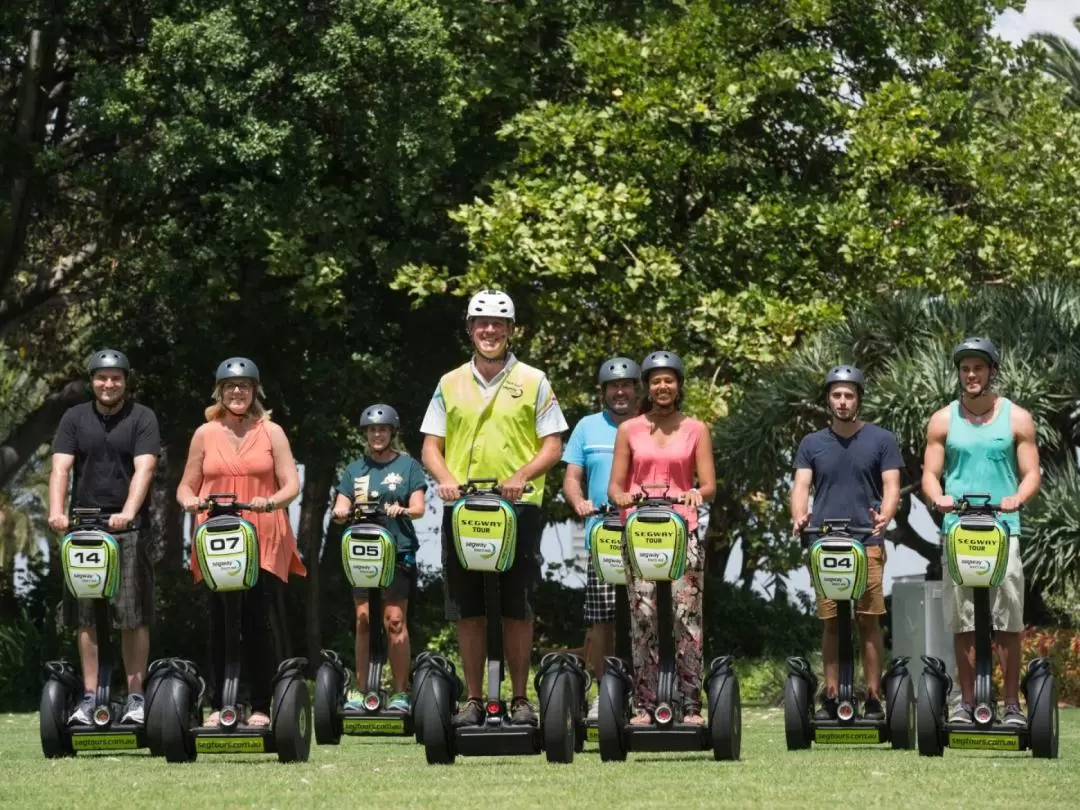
<point x="983" y="443"/>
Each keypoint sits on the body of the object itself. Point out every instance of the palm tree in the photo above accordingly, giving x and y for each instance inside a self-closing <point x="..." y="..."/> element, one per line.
<point x="1063" y="62"/>
<point x="903" y="343"/>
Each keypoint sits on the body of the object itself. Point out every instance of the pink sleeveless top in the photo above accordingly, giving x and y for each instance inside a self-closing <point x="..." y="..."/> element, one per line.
<point x="672" y="465"/>
<point x="249" y="473"/>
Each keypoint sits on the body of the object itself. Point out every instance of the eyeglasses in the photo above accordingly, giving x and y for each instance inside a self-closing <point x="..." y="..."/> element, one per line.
<point x="236" y="386"/>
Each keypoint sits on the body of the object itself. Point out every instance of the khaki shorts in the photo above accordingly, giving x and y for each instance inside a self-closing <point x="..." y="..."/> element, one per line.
<point x="872" y="602"/>
<point x="1006" y="600"/>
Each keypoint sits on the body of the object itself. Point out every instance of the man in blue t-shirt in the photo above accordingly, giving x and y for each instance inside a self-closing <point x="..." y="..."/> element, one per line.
<point x="588" y="454"/>
<point x="854" y="468"/>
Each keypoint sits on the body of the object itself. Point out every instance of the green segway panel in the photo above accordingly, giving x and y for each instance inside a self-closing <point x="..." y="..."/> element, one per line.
<point x="91" y="562"/>
<point x="369" y="555"/>
<point x="838" y="567"/>
<point x="227" y="553"/>
<point x="977" y="551"/>
<point x="605" y="547"/>
<point x="484" y="533"/>
<point x="656" y="540"/>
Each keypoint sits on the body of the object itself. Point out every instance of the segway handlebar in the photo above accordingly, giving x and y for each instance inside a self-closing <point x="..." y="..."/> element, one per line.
<point x="982" y="503"/>
<point x="226" y="502"/>
<point x="86" y="517"/>
<point x="475" y="486"/>
<point x="645" y="497"/>
<point x="839" y="526"/>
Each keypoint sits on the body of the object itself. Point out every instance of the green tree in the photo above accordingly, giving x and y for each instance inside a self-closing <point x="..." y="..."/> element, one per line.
<point x="903" y="343"/>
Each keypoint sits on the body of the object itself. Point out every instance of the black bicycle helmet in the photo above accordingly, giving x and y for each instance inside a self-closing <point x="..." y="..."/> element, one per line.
<point x="618" y="368"/>
<point x="848" y="374"/>
<point x="977" y="347"/>
<point x="108" y="358"/>
<point x="662" y="359"/>
<point x="380" y="415"/>
<point x="237" y="368"/>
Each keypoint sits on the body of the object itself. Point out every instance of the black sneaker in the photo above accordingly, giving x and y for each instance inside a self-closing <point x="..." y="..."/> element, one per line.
<point x="1014" y="715"/>
<point x="961" y="714"/>
<point x="471" y="714"/>
<point x="872" y="710"/>
<point x="522" y="713"/>
<point x="827" y="710"/>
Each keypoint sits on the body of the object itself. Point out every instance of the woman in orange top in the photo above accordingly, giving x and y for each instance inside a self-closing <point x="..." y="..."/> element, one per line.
<point x="239" y="450"/>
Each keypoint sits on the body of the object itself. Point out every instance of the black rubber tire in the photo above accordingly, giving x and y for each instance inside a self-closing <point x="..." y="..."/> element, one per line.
<point x="438" y="716"/>
<point x="725" y="719"/>
<point x="612" y="719"/>
<point x="1043" y="718"/>
<point x="929" y="717"/>
<point x="55" y="737"/>
<point x="329" y="705"/>
<point x="902" y="734"/>
<point x="291" y="720"/>
<point x="418" y="704"/>
<point x="153" y="733"/>
<point x="797" y="706"/>
<point x="557" y="727"/>
<point x="173" y="715"/>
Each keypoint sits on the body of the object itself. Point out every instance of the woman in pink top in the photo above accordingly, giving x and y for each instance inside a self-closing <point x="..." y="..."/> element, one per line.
<point x="665" y="446"/>
<point x="240" y="451"/>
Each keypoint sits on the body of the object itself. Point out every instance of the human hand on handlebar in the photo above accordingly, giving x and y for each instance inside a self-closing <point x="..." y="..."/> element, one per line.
<point x="584" y="508"/>
<point x="261" y="505"/>
<point x="878" y="522"/>
<point x="59" y="522"/>
<point x="945" y="503"/>
<point x="1010" y="504"/>
<point x="120" y="521"/>
<point x="395" y="510"/>
<point x="799" y="523"/>
<point x="449" y="490"/>
<point x="693" y="498"/>
<point x="513" y="487"/>
<point x="191" y="505"/>
<point x="624" y="500"/>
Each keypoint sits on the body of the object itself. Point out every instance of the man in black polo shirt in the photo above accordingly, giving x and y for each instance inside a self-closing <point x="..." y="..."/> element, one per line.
<point x="113" y="445"/>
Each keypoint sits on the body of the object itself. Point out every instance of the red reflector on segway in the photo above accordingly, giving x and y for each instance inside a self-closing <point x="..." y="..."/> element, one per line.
<point x="371" y="701"/>
<point x="845" y="711"/>
<point x="228" y="717"/>
<point x="494" y="707"/>
<point x="663" y="714"/>
<point x="983" y="714"/>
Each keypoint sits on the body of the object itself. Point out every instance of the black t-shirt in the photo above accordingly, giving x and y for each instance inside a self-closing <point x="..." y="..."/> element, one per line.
<point x="847" y="473"/>
<point x="105" y="448"/>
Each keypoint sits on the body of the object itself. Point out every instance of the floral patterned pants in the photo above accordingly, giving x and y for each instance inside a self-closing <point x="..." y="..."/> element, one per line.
<point x="686" y="599"/>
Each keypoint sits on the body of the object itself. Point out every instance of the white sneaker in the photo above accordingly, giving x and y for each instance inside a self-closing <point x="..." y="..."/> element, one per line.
<point x="594" y="711"/>
<point x="133" y="710"/>
<point x="82" y="714"/>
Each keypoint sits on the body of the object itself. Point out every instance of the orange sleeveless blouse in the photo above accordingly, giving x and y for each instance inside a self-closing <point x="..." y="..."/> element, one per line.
<point x="249" y="473"/>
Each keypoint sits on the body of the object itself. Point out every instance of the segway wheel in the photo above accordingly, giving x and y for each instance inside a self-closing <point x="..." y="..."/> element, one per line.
<point x="725" y="720"/>
<point x="902" y="716"/>
<point x="614" y="709"/>
<point x="173" y="715"/>
<point x="329" y="704"/>
<point x="1043" y="718"/>
<point x="929" y="717"/>
<point x="796" y="713"/>
<point x="438" y="721"/>
<point x="291" y="722"/>
<point x="55" y="738"/>
<point x="557" y="722"/>
<point x="153" y="733"/>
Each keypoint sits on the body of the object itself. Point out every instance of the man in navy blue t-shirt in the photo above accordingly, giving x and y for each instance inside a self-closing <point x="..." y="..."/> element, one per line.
<point x="854" y="468"/>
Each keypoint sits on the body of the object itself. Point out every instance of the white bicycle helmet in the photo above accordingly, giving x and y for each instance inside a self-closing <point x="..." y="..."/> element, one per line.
<point x="491" y="304"/>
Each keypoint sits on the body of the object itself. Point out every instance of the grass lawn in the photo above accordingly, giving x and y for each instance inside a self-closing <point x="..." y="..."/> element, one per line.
<point x="364" y="773"/>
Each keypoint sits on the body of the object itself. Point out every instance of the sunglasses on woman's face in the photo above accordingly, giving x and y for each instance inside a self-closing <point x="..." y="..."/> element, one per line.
<point x="236" y="386"/>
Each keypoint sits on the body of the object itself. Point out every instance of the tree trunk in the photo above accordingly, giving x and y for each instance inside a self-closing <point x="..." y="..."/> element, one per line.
<point x="723" y="513"/>
<point x="166" y="516"/>
<point x="318" y="478"/>
<point x="37" y="429"/>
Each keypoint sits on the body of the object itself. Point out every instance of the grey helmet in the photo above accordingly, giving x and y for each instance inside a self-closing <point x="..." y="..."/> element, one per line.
<point x="380" y="415"/>
<point x="108" y="358"/>
<point x="848" y="374"/>
<point x="662" y="359"/>
<point x="618" y="368"/>
<point x="237" y="368"/>
<point x="977" y="347"/>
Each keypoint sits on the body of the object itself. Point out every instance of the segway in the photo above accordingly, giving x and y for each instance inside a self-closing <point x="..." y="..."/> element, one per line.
<point x="90" y="557"/>
<point x="606" y="550"/>
<point x="227" y="553"/>
<point x="977" y="552"/>
<point x="485" y="539"/>
<point x="369" y="556"/>
<point x="838" y="567"/>
<point x="655" y="538"/>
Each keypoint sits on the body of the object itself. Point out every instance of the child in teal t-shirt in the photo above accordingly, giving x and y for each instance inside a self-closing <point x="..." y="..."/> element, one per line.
<point x="399" y="484"/>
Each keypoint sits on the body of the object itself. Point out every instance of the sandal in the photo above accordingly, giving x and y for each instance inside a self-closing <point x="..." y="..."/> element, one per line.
<point x="213" y="721"/>
<point x="693" y="719"/>
<point x="641" y="718"/>
<point x="259" y="720"/>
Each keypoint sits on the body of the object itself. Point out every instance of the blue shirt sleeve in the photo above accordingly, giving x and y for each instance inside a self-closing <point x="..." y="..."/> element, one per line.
<point x="575" y="448"/>
<point x="891" y="459"/>
<point x="804" y="458"/>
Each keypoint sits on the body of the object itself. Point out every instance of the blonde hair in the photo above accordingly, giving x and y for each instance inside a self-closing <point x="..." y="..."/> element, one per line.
<point x="256" y="412"/>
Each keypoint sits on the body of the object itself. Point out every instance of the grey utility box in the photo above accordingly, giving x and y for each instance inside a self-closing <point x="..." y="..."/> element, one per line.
<point x="918" y="624"/>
